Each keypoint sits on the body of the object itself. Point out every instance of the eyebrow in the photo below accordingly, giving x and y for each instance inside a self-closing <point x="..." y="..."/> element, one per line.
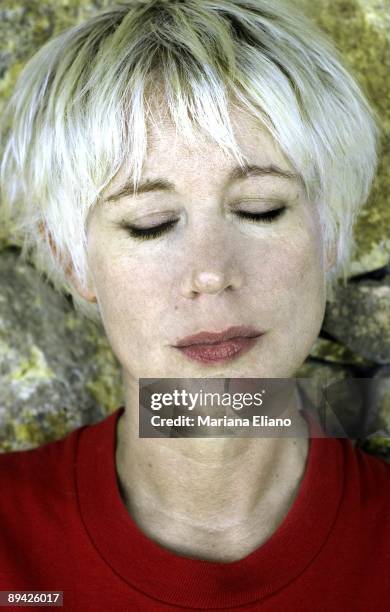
<point x="160" y="184"/>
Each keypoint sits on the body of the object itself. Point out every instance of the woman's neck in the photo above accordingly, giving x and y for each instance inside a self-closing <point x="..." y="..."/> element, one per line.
<point x="215" y="498"/>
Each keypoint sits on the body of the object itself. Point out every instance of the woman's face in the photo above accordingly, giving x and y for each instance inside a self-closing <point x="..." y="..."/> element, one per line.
<point x="222" y="259"/>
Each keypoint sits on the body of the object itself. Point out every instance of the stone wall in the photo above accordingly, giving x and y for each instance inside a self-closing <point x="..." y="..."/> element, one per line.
<point x="56" y="369"/>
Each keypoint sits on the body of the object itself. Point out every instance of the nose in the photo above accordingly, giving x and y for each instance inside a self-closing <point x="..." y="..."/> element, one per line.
<point x="212" y="269"/>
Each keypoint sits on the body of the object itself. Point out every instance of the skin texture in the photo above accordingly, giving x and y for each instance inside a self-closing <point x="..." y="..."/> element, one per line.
<point x="210" y="271"/>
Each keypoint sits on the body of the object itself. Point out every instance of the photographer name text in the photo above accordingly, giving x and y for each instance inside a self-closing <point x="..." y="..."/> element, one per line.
<point x="225" y="421"/>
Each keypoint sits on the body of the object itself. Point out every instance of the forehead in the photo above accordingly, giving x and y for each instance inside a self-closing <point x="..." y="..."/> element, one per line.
<point x="170" y="149"/>
<point x="188" y="161"/>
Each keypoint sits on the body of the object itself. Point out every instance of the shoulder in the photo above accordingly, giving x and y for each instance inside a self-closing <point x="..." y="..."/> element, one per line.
<point x="49" y="469"/>
<point x="26" y="474"/>
<point x="369" y="471"/>
<point x="38" y="499"/>
<point x="366" y="487"/>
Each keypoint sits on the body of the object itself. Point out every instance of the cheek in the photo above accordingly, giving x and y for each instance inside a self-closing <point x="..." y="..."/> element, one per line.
<point x="289" y="274"/>
<point x="303" y="296"/>
<point x="131" y="308"/>
<point x="128" y="287"/>
<point x="300" y="263"/>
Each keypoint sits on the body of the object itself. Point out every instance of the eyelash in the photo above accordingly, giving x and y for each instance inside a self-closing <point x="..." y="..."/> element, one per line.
<point x="147" y="233"/>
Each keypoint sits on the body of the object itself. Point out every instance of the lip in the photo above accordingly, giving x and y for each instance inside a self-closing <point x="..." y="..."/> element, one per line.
<point x="205" y="337"/>
<point x="212" y="347"/>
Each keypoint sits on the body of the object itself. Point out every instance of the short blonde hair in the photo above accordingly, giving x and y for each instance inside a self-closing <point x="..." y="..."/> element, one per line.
<point x="80" y="110"/>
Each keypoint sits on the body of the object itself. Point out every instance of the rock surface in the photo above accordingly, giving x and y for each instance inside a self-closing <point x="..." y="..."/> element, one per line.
<point x="360" y="318"/>
<point x="56" y="369"/>
<point x="361" y="31"/>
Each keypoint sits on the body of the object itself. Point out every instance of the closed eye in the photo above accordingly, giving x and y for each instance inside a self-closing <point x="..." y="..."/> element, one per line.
<point x="265" y="217"/>
<point x="145" y="233"/>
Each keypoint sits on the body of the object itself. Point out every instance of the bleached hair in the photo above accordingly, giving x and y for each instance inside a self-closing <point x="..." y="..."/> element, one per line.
<point x="80" y="110"/>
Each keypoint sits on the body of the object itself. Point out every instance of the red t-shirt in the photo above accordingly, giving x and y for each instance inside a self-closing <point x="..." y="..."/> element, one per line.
<point x="64" y="527"/>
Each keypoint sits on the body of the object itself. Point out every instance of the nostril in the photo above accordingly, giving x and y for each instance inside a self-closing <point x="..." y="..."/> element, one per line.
<point x="214" y="279"/>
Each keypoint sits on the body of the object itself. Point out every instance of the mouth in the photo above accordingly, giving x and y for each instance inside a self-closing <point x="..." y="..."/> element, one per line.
<point x="213" y="347"/>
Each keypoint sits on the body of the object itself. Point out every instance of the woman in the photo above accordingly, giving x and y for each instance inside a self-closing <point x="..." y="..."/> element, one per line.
<point x="195" y="169"/>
